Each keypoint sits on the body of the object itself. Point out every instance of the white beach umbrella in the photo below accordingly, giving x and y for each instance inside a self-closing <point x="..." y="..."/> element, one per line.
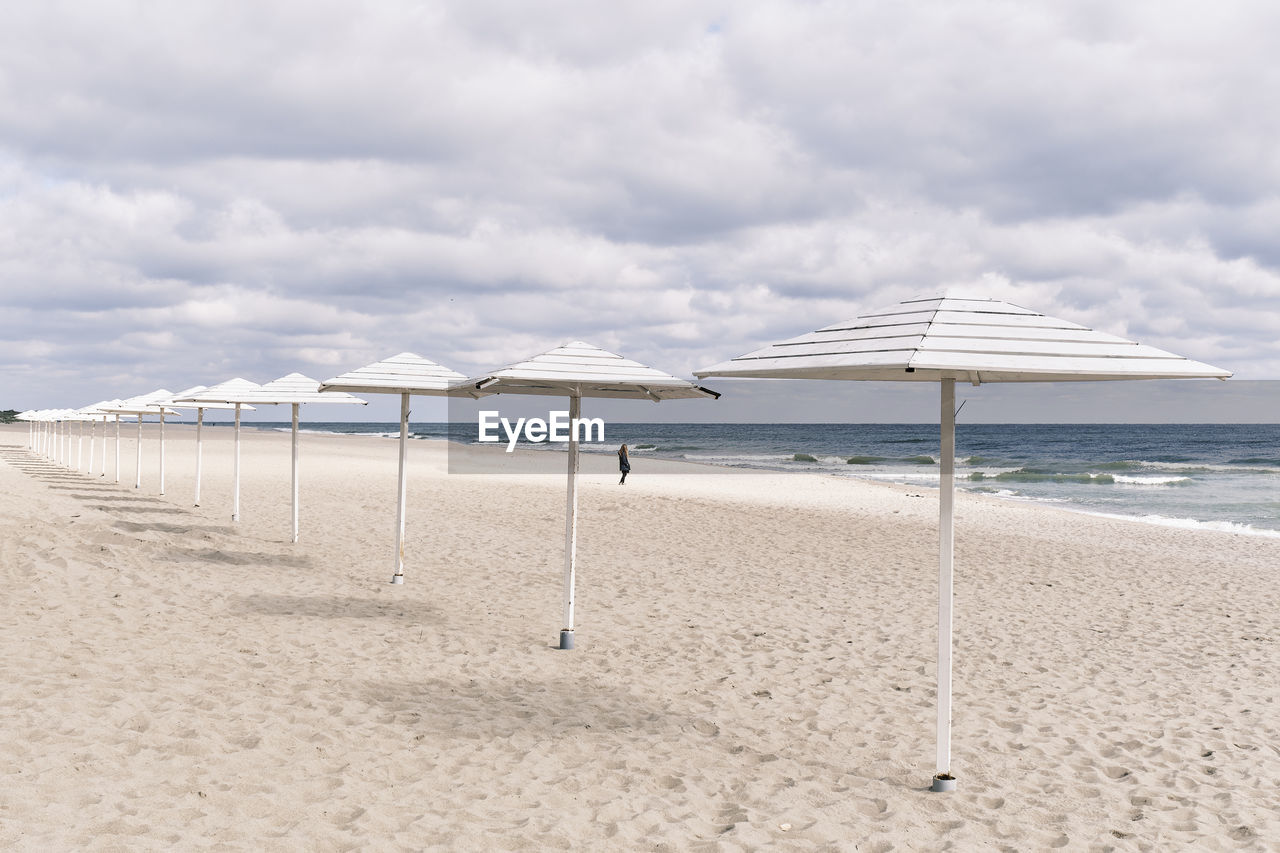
<point x="81" y="417"/>
<point x="108" y="410"/>
<point x="181" y="401"/>
<point x="141" y="406"/>
<point x="41" y="417"/>
<point x="404" y="374"/>
<point x="48" y="419"/>
<point x="231" y="393"/>
<point x="296" y="389"/>
<point x="62" y="419"/>
<point x="94" y="414"/>
<point x="943" y="339"/>
<point x="578" y="370"/>
<point x="29" y="417"/>
<point x="36" y="417"/>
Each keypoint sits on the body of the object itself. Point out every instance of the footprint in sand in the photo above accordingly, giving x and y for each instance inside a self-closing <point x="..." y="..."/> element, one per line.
<point x="873" y="808"/>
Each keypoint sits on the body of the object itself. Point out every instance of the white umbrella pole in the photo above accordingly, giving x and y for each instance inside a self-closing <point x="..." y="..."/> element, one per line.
<point x="79" y="445"/>
<point x="295" y="472"/>
<point x="943" y="780"/>
<point x="235" y="465"/>
<point x="571" y="525"/>
<point x="199" y="455"/>
<point x="137" y="465"/>
<point x="398" y="577"/>
<point x="162" y="450"/>
<point x="93" y="444"/>
<point x="117" y="448"/>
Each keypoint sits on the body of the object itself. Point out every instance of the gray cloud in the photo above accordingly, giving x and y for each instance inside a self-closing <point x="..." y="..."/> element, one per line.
<point x="192" y="193"/>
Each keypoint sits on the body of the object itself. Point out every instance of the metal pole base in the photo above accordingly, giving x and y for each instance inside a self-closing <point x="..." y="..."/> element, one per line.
<point x="943" y="782"/>
<point x="566" y="639"/>
<point x="398" y="579"/>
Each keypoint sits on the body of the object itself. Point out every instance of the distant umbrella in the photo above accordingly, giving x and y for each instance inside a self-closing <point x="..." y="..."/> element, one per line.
<point x="296" y="389"/>
<point x="404" y="374"/>
<point x="141" y="406"/>
<point x="578" y="370"/>
<point x="185" y="396"/>
<point x="233" y="393"/>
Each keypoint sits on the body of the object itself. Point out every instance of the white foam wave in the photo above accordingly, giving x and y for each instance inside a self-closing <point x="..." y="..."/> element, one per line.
<point x="741" y="459"/>
<point x="1194" y="524"/>
<point x="1148" y="481"/>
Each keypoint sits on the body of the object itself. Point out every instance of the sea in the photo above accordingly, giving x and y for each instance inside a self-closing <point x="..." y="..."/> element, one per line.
<point x="1218" y="476"/>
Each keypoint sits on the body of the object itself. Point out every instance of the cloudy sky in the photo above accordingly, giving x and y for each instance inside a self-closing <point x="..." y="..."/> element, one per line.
<point x="195" y="191"/>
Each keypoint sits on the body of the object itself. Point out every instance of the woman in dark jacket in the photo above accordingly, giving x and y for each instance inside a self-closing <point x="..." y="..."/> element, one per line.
<point x="624" y="464"/>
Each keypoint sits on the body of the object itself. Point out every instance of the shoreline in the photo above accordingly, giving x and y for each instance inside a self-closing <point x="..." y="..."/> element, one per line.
<point x="675" y="466"/>
<point x="1154" y="519"/>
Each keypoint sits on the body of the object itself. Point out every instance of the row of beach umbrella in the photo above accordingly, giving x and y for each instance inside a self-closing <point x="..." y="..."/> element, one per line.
<point x="942" y="338"/>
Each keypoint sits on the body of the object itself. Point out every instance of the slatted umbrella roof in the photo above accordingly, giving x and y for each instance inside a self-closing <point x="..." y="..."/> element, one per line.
<point x="101" y="409"/>
<point x="232" y="391"/>
<point x="145" y="404"/>
<point x="956" y="337"/>
<point x="406" y="373"/>
<point x="296" y="388"/>
<point x="184" y="400"/>
<point x="580" y="369"/>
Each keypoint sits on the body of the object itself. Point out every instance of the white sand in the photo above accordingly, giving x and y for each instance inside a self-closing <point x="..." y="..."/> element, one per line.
<point x="755" y="664"/>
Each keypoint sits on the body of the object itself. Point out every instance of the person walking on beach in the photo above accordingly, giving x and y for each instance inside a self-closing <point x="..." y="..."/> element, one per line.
<point x="624" y="464"/>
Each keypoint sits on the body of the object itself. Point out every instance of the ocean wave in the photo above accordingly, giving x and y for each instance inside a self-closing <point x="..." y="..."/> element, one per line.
<point x="738" y="458"/>
<point x="1194" y="524"/>
<point x="1151" y="481"/>
<point x="1090" y="478"/>
<point x="1031" y="475"/>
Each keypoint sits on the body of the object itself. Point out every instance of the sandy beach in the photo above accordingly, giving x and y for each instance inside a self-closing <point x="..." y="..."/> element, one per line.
<point x="755" y="663"/>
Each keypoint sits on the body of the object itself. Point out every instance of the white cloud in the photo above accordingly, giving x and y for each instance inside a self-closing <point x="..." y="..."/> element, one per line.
<point x="188" y="194"/>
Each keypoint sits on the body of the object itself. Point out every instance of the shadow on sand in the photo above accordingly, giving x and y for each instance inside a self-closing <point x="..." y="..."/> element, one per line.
<point x="332" y="607"/>
<point x="168" y="510"/>
<point x="163" y="527"/>
<point x="240" y="558"/>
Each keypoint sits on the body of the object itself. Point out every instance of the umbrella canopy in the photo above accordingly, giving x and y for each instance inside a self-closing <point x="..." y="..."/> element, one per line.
<point x="578" y="370"/>
<point x="941" y="339"/>
<point x="973" y="340"/>
<point x="143" y="404"/>
<point x="582" y="370"/>
<point x="296" y="389"/>
<point x="404" y="374"/>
